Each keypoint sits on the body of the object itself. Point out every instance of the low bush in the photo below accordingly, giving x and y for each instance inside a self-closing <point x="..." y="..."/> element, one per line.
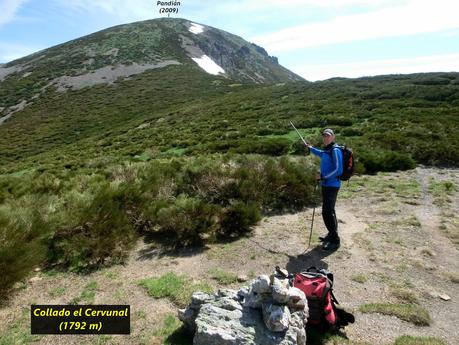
<point x="378" y="160"/>
<point x="350" y="132"/>
<point x="298" y="148"/>
<point x="23" y="233"/>
<point x="238" y="218"/>
<point x="83" y="221"/>
<point x="94" y="231"/>
<point x="187" y="221"/>
<point x="269" y="146"/>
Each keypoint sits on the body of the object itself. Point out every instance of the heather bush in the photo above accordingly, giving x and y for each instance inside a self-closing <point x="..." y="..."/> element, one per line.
<point x="269" y="146"/>
<point x="83" y="221"/>
<point x="93" y="231"/>
<point x="379" y="160"/>
<point x="23" y="234"/>
<point x="186" y="221"/>
<point x="238" y="218"/>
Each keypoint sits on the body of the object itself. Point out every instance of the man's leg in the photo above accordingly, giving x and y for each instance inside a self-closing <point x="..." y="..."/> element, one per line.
<point x="329" y="195"/>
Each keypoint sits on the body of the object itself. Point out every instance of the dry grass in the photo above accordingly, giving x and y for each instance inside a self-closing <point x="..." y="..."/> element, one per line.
<point x="404" y="295"/>
<point x="409" y="340"/>
<point x="360" y="278"/>
<point x="407" y="312"/>
<point x="176" y="288"/>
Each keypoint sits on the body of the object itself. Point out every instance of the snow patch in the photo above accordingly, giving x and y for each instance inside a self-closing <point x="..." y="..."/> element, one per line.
<point x="196" y="28"/>
<point x="208" y="65"/>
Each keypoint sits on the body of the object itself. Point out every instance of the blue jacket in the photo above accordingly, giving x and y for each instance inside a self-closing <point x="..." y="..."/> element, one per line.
<point x="331" y="165"/>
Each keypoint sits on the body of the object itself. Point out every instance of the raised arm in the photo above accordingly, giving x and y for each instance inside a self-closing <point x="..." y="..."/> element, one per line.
<point x="315" y="151"/>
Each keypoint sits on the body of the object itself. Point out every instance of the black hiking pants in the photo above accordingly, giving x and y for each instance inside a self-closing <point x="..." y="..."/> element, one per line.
<point x="329" y="195"/>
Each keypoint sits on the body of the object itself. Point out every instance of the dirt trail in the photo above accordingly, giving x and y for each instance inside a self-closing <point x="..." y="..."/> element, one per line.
<point x="390" y="243"/>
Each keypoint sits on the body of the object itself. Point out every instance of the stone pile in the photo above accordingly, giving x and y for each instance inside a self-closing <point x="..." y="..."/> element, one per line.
<point x="268" y="311"/>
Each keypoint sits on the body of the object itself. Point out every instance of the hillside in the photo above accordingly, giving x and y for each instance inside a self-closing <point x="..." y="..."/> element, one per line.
<point x="127" y="50"/>
<point x="391" y="121"/>
<point x="134" y="92"/>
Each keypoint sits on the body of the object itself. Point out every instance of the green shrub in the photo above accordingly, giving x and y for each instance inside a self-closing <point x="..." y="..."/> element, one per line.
<point x="378" y="160"/>
<point x="298" y="148"/>
<point x="238" y="218"/>
<point x="188" y="221"/>
<point x="289" y="185"/>
<point x="94" y="231"/>
<point x="338" y="121"/>
<point x="46" y="183"/>
<point x="23" y="232"/>
<point x="268" y="146"/>
<point x="351" y="132"/>
<point x="86" y="220"/>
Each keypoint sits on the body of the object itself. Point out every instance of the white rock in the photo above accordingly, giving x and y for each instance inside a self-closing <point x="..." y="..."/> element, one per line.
<point x="261" y="284"/>
<point x="283" y="282"/>
<point x="297" y="299"/>
<point x="242" y="278"/>
<point x="35" y="279"/>
<point x="276" y="317"/>
<point x="280" y="294"/>
<point x="444" y="297"/>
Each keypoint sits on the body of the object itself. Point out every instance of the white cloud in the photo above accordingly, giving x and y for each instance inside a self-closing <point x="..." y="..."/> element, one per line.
<point x="289" y="5"/>
<point x="413" y="17"/>
<point x="8" y="10"/>
<point x="434" y="63"/>
<point x="119" y="10"/>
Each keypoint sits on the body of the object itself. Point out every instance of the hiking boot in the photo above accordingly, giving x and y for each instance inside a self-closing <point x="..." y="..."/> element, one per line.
<point x="331" y="246"/>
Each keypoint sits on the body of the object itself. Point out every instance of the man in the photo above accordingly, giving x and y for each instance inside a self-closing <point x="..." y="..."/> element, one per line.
<point x="331" y="167"/>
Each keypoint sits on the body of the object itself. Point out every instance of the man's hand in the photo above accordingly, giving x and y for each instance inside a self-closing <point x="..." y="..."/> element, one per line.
<point x="318" y="177"/>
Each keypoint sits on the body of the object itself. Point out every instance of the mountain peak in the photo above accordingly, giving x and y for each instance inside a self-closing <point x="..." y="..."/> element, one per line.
<point x="157" y="42"/>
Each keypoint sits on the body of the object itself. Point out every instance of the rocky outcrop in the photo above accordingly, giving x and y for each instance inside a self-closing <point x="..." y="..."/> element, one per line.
<point x="266" y="312"/>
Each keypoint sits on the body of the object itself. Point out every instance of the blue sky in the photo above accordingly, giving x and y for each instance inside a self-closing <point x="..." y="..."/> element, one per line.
<point x="317" y="39"/>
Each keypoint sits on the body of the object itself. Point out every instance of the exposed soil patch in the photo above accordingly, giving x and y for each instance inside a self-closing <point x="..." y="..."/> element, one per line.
<point x="106" y="75"/>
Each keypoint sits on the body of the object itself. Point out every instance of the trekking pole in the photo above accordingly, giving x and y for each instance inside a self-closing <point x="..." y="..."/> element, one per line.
<point x="304" y="141"/>
<point x="312" y="221"/>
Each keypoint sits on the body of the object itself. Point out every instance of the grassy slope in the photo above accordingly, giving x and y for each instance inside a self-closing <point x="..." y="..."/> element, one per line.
<point x="184" y="111"/>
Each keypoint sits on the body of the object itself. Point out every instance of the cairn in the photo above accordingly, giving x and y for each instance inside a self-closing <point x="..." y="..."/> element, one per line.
<point x="268" y="311"/>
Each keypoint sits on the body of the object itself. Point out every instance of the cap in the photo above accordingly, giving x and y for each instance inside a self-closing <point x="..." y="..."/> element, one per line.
<point x="328" y="131"/>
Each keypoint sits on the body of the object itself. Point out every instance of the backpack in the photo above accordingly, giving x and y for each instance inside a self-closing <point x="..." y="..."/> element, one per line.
<point x="348" y="161"/>
<point x="317" y="285"/>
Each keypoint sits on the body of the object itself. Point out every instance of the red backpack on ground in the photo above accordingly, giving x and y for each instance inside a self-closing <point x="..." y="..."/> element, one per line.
<point x="317" y="285"/>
